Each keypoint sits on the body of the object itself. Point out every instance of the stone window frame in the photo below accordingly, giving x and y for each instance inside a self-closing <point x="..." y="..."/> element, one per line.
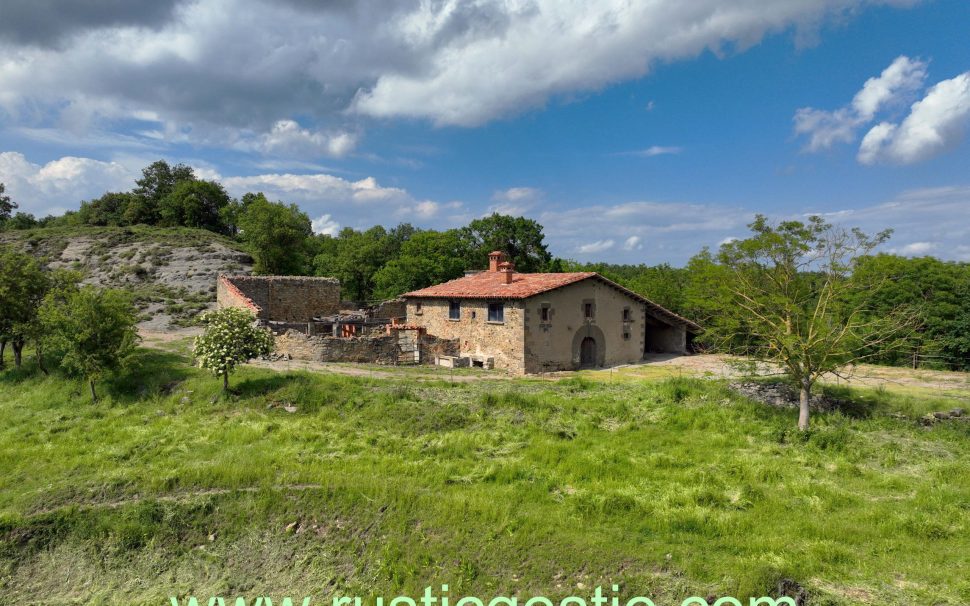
<point x="627" y="315"/>
<point x="589" y="305"/>
<point x="454" y="305"/>
<point x="417" y="308"/>
<point x="501" y="313"/>
<point x="545" y="314"/>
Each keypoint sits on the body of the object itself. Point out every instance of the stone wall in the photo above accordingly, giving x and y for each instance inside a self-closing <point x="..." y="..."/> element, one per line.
<point x="387" y="349"/>
<point x="479" y="338"/>
<point x="555" y="344"/>
<point x="280" y="298"/>
<point x="394" y="308"/>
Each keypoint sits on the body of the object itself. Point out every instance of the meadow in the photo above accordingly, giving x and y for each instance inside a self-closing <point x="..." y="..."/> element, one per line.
<point x="317" y="484"/>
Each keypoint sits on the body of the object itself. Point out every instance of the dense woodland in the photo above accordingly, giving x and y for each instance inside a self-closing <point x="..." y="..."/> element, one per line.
<point x="381" y="263"/>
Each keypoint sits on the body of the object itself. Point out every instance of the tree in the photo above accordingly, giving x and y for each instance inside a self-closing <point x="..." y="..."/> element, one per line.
<point x="427" y="258"/>
<point x="231" y="337"/>
<point x="278" y="235"/>
<point x="23" y="284"/>
<point x="158" y="181"/>
<point x="518" y="237"/>
<point x="110" y="209"/>
<point x="7" y="206"/>
<point x="791" y="287"/>
<point x="194" y="204"/>
<point x="355" y="257"/>
<point x="91" y="330"/>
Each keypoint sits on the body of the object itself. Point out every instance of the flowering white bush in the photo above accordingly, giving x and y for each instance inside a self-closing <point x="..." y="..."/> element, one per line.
<point x="231" y="337"/>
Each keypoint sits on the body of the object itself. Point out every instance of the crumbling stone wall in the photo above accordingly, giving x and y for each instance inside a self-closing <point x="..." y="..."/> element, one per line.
<point x="280" y="298"/>
<point x="394" y="308"/>
<point x="382" y="349"/>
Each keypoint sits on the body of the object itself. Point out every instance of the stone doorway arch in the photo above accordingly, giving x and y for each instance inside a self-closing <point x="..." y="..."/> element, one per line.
<point x="594" y="353"/>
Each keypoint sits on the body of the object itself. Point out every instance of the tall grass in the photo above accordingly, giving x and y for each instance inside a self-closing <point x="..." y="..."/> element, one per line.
<point x="378" y="487"/>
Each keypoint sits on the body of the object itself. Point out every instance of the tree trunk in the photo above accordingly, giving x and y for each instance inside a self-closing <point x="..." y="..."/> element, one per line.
<point x="225" y="381"/>
<point x="803" y="401"/>
<point x="94" y="394"/>
<point x="18" y="349"/>
<point x="40" y="359"/>
<point x="3" y="352"/>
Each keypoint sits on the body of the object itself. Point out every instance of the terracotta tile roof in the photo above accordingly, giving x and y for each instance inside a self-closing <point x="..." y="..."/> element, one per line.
<point x="491" y="285"/>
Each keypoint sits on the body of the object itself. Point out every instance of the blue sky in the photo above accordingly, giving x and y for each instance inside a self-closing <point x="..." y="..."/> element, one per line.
<point x="634" y="132"/>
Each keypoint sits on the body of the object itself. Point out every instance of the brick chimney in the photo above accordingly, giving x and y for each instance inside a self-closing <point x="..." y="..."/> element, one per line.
<point x="494" y="258"/>
<point x="507" y="270"/>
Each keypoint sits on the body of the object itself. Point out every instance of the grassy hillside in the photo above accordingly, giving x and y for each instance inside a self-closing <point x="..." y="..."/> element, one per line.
<point x="669" y="488"/>
<point x="170" y="271"/>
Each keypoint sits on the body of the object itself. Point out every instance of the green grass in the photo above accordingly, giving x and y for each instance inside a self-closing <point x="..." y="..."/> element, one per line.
<point x="670" y="488"/>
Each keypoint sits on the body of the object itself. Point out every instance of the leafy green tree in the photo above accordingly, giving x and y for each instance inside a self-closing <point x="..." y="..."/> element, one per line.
<point x="194" y="204"/>
<point x="21" y="220"/>
<point x="427" y="258"/>
<point x="791" y="285"/>
<point x="158" y="180"/>
<point x="931" y="286"/>
<point x="355" y="257"/>
<point x="7" y="206"/>
<point x="519" y="238"/>
<point x="23" y="284"/>
<point x="109" y="209"/>
<point x="278" y="236"/>
<point x="231" y="337"/>
<point x="91" y="330"/>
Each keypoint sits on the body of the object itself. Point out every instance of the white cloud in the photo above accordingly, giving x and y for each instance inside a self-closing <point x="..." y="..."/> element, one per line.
<point x="656" y="150"/>
<point x="935" y="124"/>
<point x="289" y="138"/>
<point x="60" y="184"/>
<point x="325" y="225"/>
<point x="515" y="200"/>
<point x="824" y="128"/>
<point x="245" y="65"/>
<point x="596" y="247"/>
<point x="917" y="248"/>
<point x="633" y="243"/>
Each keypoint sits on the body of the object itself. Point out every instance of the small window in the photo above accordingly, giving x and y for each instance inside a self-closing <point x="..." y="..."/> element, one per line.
<point x="417" y="308"/>
<point x="496" y="312"/>
<point x="626" y="336"/>
<point x="588" y="311"/>
<point x="544" y="313"/>
<point x="626" y="314"/>
<point x="454" y="310"/>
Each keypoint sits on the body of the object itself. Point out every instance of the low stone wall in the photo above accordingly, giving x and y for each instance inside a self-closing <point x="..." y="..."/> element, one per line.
<point x="383" y="349"/>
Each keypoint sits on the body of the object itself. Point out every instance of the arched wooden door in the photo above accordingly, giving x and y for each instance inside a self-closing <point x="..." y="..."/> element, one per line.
<point x="587" y="352"/>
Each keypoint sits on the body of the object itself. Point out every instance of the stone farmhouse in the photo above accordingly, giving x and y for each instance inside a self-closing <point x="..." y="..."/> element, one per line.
<point x="499" y="318"/>
<point x="539" y="322"/>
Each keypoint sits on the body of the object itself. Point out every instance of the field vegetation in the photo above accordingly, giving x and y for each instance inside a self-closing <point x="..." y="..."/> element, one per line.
<point x="313" y="484"/>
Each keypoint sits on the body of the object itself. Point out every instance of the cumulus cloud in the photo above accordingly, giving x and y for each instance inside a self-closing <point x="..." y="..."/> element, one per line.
<point x="208" y="70"/>
<point x="935" y="124"/>
<point x="325" y="225"/>
<point x="917" y="248"/>
<point x="900" y="80"/>
<point x="633" y="243"/>
<point x="288" y="138"/>
<point x="47" y="22"/>
<point x="60" y="184"/>
<point x="596" y="247"/>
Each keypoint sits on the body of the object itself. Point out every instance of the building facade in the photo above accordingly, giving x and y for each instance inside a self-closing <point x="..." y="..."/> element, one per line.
<point x="537" y="322"/>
